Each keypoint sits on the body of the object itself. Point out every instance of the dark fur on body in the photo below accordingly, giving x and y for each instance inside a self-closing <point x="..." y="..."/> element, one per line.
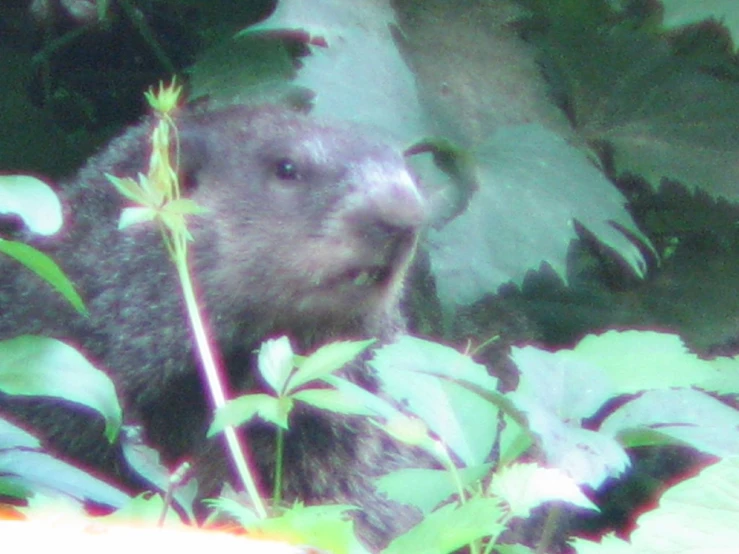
<point x="296" y="211"/>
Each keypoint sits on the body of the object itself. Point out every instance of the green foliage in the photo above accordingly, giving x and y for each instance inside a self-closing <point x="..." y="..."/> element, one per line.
<point x="697" y="515"/>
<point x="39" y="208"/>
<point x="27" y="471"/>
<point x="452" y="527"/>
<point x="41" y="366"/>
<point x="321" y="527"/>
<point x="473" y="503"/>
<point x="465" y="405"/>
<point x="662" y="115"/>
<point x="44" y="367"/>
<point x="516" y="175"/>
<point x="449" y="392"/>
<point x="558" y="393"/>
<point x="678" y="13"/>
<point x="287" y="375"/>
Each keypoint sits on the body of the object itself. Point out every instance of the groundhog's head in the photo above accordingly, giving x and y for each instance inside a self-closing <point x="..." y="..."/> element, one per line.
<point x="306" y="222"/>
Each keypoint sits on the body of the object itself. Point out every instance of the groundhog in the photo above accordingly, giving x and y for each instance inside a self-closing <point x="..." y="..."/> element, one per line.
<point x="308" y="230"/>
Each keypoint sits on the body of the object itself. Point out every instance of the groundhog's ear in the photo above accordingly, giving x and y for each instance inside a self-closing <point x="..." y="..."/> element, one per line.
<point x="193" y="157"/>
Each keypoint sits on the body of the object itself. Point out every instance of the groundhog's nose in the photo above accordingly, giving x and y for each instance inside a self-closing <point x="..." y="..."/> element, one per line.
<point x="394" y="200"/>
<point x="388" y="213"/>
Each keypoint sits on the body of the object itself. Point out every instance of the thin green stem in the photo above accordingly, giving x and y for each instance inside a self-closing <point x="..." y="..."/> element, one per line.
<point x="447" y="461"/>
<point x="550" y="526"/>
<point x="215" y="386"/>
<point x="279" y="454"/>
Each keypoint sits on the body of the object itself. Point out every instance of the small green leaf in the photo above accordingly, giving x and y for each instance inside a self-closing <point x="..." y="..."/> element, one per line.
<point x="42" y="366"/>
<point x="184" y="206"/>
<point x="451" y="527"/>
<point x="276" y="362"/>
<point x="46" y="268"/>
<point x="144" y="508"/>
<point x="175" y="224"/>
<point x="527" y="486"/>
<point x="433" y="382"/>
<point x="358" y="396"/>
<point x="323" y="527"/>
<point x="41" y="473"/>
<point x="229" y="507"/>
<point x="556" y="392"/>
<point x="135" y="214"/>
<point x="241" y="410"/>
<point x="427" y="488"/>
<point x="409" y="430"/>
<point x="332" y="401"/>
<point x="327" y="359"/>
<point x="132" y="190"/>
<point x="413" y="354"/>
<point x="686" y="415"/>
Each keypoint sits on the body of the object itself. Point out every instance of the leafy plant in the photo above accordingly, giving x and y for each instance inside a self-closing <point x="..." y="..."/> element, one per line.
<point x="41" y="366"/>
<point x="525" y="161"/>
<point x="40" y="210"/>
<point x="558" y="398"/>
<point x="471" y="502"/>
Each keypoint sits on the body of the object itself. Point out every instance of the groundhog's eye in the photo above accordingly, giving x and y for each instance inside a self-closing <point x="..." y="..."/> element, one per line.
<point x="286" y="170"/>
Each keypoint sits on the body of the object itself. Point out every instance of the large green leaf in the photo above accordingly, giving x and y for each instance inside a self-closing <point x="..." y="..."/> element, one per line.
<point x="355" y="67"/>
<point x="25" y="470"/>
<point x="426" y="489"/>
<point x="534" y="186"/>
<point x="527" y="486"/>
<point x="556" y="392"/>
<point x="696" y="516"/>
<point x="663" y="115"/>
<point x="429" y="379"/>
<point x="644" y="360"/>
<point x="688" y="12"/>
<point x="685" y="415"/>
<point x="42" y="366"/>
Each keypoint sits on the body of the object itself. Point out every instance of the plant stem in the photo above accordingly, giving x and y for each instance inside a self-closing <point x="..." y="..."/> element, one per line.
<point x="236" y="450"/>
<point x="279" y="452"/>
<point x="550" y="526"/>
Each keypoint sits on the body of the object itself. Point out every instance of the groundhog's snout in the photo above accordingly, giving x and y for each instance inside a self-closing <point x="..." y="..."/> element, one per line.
<point x="391" y="199"/>
<point x="393" y="210"/>
<point x="397" y="201"/>
<point x="385" y="212"/>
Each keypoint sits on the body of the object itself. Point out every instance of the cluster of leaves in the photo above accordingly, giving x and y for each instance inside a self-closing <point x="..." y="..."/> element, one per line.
<point x="563" y="404"/>
<point x="454" y="403"/>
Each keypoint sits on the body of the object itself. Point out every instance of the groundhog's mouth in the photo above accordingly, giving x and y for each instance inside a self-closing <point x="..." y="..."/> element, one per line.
<point x="366" y="268"/>
<point x="383" y="268"/>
